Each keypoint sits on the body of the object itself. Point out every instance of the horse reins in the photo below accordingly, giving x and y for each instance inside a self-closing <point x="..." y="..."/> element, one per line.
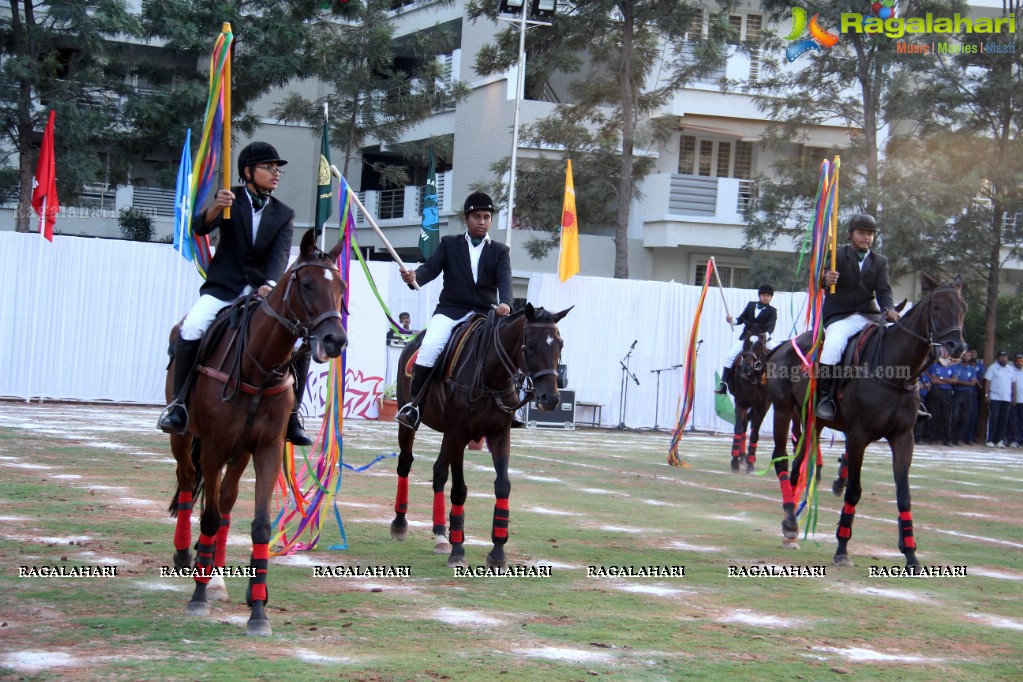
<point x="932" y="331"/>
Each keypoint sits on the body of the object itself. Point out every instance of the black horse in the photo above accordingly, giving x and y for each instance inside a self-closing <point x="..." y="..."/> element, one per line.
<point x="749" y="388"/>
<point x="880" y="402"/>
<point x="483" y="372"/>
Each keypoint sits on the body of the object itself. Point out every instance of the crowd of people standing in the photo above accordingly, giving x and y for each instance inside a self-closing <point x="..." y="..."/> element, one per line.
<point x="956" y="396"/>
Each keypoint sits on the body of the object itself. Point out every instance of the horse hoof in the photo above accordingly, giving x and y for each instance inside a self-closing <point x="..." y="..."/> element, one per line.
<point x="198" y="608"/>
<point x="838" y="487"/>
<point x="789" y="543"/>
<point x="735" y="464"/>
<point x="182" y="559"/>
<point x="442" y="547"/>
<point x="216" y="590"/>
<point x="790" y="530"/>
<point x="498" y="564"/>
<point x="258" y="628"/>
<point x="457" y="561"/>
<point x="399" y="531"/>
<point x="750" y="468"/>
<point x="842" y="560"/>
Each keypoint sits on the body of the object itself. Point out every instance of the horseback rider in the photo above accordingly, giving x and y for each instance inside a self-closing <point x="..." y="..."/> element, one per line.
<point x="253" y="251"/>
<point x="757" y="315"/>
<point x="863" y="296"/>
<point x="477" y="275"/>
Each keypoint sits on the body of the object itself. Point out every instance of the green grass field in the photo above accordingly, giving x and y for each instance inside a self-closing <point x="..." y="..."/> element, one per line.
<point x="88" y="485"/>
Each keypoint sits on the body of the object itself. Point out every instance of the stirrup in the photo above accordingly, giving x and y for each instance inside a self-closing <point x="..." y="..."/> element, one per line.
<point x="722" y="388"/>
<point x="922" y="414"/>
<point x="826" y="408"/>
<point x="165" y="423"/>
<point x="408" y="416"/>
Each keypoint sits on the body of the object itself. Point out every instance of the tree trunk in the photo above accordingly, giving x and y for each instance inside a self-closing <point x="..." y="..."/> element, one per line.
<point x="628" y="142"/>
<point x="21" y="36"/>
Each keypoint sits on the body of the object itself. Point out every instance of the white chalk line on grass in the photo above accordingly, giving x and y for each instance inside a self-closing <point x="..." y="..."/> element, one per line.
<point x="564" y="654"/>
<point x="464" y="617"/>
<point x="746" y="617"/>
<point x="37" y="661"/>
<point x="312" y="657"/>
<point x="869" y="655"/>
<point x="993" y="573"/>
<point x="997" y="621"/>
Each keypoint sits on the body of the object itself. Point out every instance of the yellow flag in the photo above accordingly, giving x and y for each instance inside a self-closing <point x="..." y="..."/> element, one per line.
<point x="568" y="263"/>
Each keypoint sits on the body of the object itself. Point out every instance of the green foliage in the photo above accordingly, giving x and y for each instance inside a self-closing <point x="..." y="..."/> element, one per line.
<point x="611" y="49"/>
<point x="1008" y="329"/>
<point x="380" y="85"/>
<point x="135" y="225"/>
<point x="59" y="55"/>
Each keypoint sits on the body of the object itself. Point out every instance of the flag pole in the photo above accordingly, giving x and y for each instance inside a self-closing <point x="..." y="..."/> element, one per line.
<point x="373" y="224"/>
<point x="226" y="145"/>
<point x="323" y="233"/>
<point x="721" y="288"/>
<point x="834" y="220"/>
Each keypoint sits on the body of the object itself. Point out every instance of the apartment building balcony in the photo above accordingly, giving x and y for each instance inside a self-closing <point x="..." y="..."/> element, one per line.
<point x="684" y="210"/>
<point x="402" y="206"/>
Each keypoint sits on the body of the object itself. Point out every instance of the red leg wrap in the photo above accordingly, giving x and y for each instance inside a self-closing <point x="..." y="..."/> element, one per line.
<point x="220" y="556"/>
<point x="204" y="558"/>
<point x="848" y="509"/>
<point x="183" y="529"/>
<point x="401" y="500"/>
<point x="786" y="488"/>
<point x="439" y="515"/>
<point x="258" y="592"/>
<point x="844" y="532"/>
<point x="501" y="516"/>
<point x="906" y="529"/>
<point x="457" y="523"/>
<point x="751" y="452"/>
<point x="736" y="448"/>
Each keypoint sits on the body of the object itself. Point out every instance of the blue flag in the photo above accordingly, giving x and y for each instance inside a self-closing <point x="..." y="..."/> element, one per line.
<point x="183" y="202"/>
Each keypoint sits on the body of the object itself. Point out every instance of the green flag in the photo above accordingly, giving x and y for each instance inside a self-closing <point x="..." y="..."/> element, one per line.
<point x="429" y="236"/>
<point x="723" y="404"/>
<point x="325" y="188"/>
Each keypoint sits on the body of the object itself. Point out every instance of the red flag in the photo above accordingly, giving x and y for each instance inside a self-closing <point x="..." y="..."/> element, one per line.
<point x="44" y="185"/>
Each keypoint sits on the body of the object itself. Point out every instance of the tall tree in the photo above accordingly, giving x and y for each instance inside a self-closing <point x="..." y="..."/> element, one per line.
<point x="381" y="84"/>
<point x="636" y="57"/>
<point x="58" y="55"/>
<point x="934" y="148"/>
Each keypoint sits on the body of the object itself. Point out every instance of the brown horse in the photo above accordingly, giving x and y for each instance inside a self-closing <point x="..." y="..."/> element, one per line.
<point x="749" y="388"/>
<point x="879" y="402"/>
<point x="240" y="403"/>
<point x="476" y="398"/>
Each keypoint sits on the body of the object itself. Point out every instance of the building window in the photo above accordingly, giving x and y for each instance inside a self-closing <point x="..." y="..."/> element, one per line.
<point x="716" y="158"/>
<point x="733" y="276"/>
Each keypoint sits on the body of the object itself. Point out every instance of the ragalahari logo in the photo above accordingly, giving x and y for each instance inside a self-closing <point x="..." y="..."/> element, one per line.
<point x="819" y="39"/>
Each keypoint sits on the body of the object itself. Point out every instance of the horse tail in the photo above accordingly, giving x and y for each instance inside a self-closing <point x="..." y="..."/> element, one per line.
<point x="197" y="488"/>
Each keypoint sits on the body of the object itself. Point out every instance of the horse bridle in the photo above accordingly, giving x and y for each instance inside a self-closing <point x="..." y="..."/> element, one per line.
<point x="294" y="325"/>
<point x="522" y="379"/>
<point x="932" y="332"/>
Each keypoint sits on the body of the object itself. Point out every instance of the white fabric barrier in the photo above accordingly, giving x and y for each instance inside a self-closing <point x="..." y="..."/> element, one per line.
<point x="89" y="319"/>
<point x="610" y="314"/>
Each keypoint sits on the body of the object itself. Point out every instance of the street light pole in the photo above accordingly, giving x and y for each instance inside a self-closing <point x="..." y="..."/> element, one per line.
<point x="519" y="94"/>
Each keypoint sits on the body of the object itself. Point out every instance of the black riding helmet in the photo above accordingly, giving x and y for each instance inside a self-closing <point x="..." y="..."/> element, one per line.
<point x="257" y="152"/>
<point x="862" y="221"/>
<point x="766" y="289"/>
<point x="478" y="201"/>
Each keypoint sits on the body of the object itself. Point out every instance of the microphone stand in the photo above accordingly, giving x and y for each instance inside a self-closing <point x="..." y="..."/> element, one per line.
<point x="626" y="374"/>
<point x="657" y="391"/>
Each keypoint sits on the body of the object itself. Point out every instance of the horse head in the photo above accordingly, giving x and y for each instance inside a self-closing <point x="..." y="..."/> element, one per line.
<point x="754" y="353"/>
<point x="541" y="353"/>
<point x="944" y="309"/>
<point x="312" y="298"/>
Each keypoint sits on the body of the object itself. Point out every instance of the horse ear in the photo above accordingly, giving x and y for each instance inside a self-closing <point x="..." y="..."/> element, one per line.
<point x="902" y="304"/>
<point x="558" y="316"/>
<point x="336" y="251"/>
<point x="959" y="283"/>
<point x="308" y="244"/>
<point x="928" y="283"/>
<point x="530" y="312"/>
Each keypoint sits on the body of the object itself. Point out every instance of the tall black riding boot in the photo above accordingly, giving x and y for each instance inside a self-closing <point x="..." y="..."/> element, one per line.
<point x="296" y="434"/>
<point x="826" y="384"/>
<point x="408" y="415"/>
<point x="726" y="376"/>
<point x="174" y="419"/>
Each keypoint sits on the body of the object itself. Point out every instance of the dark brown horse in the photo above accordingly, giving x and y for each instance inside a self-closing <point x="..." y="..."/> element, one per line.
<point x="477" y="398"/>
<point x="241" y="400"/>
<point x="878" y="401"/>
<point x="749" y="388"/>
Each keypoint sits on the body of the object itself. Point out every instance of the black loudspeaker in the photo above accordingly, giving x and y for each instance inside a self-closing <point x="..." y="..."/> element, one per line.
<point x="562" y="376"/>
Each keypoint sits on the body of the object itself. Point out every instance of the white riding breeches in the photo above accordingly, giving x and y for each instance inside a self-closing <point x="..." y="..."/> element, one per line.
<point x="438" y="331"/>
<point x="837" y="335"/>
<point x="202" y="314"/>
<point x="737" y="348"/>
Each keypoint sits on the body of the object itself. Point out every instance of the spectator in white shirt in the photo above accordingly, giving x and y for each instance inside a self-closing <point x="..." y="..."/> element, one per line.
<point x="1000" y="396"/>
